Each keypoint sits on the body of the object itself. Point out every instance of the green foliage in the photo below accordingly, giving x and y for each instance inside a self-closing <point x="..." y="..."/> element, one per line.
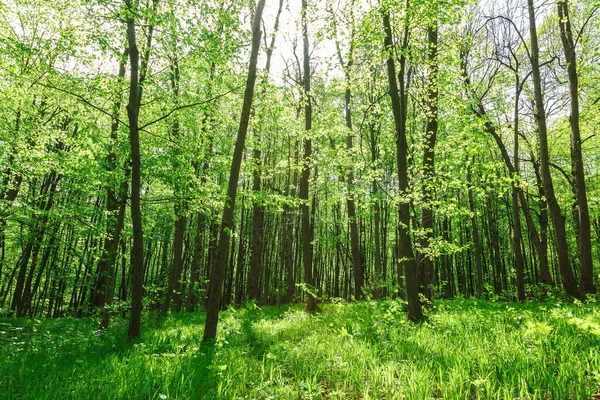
<point x="466" y="349"/>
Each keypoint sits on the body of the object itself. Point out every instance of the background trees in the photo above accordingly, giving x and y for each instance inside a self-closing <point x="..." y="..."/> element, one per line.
<point x="393" y="148"/>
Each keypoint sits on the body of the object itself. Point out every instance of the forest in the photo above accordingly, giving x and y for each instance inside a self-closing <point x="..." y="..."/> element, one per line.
<point x="336" y="199"/>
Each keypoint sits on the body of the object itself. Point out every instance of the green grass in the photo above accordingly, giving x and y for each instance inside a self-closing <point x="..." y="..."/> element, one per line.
<point x="467" y="350"/>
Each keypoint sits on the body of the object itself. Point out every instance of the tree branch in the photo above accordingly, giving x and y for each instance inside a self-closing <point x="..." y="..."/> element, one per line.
<point x="167" y="115"/>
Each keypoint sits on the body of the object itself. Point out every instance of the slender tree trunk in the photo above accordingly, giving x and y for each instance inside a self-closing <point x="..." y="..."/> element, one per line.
<point x="558" y="220"/>
<point x="476" y="240"/>
<point x="357" y="256"/>
<point x="31" y="287"/>
<point x="218" y="273"/>
<point x="399" y="103"/>
<point x="538" y="239"/>
<point x="22" y="293"/>
<point x="181" y="208"/>
<point x="586" y="266"/>
<point x="241" y="265"/>
<point x="112" y="260"/>
<point x="307" y="250"/>
<point x="379" y="266"/>
<point x="258" y="223"/>
<point x="426" y="264"/>
<point x="195" y="284"/>
<point x="494" y="244"/>
<point x="192" y="298"/>
<point x="174" y="283"/>
<point x="137" y="267"/>
<point x="106" y="263"/>
<point x="519" y="268"/>
<point x="289" y="234"/>
<point x="7" y="197"/>
<point x="258" y="213"/>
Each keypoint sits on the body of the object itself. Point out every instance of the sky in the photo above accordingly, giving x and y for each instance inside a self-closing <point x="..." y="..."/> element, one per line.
<point x="289" y="32"/>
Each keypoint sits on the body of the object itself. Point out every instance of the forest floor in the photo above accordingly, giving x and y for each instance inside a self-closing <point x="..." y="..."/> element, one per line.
<point x="467" y="349"/>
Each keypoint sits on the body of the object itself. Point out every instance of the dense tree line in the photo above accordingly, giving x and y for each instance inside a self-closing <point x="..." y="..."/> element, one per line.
<point x="174" y="155"/>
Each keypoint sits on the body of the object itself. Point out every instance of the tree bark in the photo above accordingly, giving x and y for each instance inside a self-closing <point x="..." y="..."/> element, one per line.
<point x="558" y="220"/>
<point x="111" y="240"/>
<point x="476" y="240"/>
<point x="307" y="250"/>
<point x="426" y="264"/>
<point x="181" y="208"/>
<point x="219" y="269"/>
<point x="399" y="103"/>
<point x="133" y="108"/>
<point x="519" y="267"/>
<point x="586" y="266"/>
<point x="258" y="212"/>
<point x="357" y="256"/>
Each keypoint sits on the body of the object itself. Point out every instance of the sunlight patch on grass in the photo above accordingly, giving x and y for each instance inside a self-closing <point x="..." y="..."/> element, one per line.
<point x="367" y="350"/>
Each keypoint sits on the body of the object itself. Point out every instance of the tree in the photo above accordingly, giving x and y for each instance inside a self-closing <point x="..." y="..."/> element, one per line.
<point x="257" y="209"/>
<point x="218" y="273"/>
<point x="426" y="271"/>
<point x="558" y="220"/>
<point x="347" y="65"/>
<point x="398" y="97"/>
<point x="586" y="265"/>
<point x="307" y="229"/>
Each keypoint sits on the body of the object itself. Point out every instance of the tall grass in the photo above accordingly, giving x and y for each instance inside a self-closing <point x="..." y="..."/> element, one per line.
<point x="466" y="350"/>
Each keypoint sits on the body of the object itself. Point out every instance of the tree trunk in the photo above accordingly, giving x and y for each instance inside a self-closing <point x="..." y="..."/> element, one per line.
<point x="586" y="266"/>
<point x="476" y="240"/>
<point x="218" y="273"/>
<point x="258" y="213"/>
<point x="558" y="220"/>
<point x="307" y="250"/>
<point x="289" y="229"/>
<point x="181" y="208"/>
<point x="519" y="268"/>
<point x="426" y="264"/>
<point x="174" y="282"/>
<point x="111" y="240"/>
<point x="137" y="267"/>
<point x="399" y="103"/>
<point x="192" y="298"/>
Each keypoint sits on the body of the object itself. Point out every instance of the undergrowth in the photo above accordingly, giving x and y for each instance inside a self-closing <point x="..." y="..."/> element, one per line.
<point x="466" y="349"/>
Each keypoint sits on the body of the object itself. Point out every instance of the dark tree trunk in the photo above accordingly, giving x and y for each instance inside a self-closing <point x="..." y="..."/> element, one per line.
<point x="174" y="288"/>
<point x="192" y="299"/>
<point x="494" y="243"/>
<point x="289" y="228"/>
<point x="558" y="220"/>
<point x="114" y="223"/>
<point x="22" y="294"/>
<point x="258" y="212"/>
<point x="519" y="267"/>
<point x="307" y="250"/>
<point x="476" y="240"/>
<point x="112" y="260"/>
<point x="426" y="263"/>
<point x="137" y="267"/>
<point x="174" y="282"/>
<point x="258" y="223"/>
<point x="447" y="262"/>
<point x="31" y="287"/>
<point x="586" y="266"/>
<point x="399" y="103"/>
<point x="357" y="256"/>
<point x="218" y="273"/>
<point x="241" y="265"/>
